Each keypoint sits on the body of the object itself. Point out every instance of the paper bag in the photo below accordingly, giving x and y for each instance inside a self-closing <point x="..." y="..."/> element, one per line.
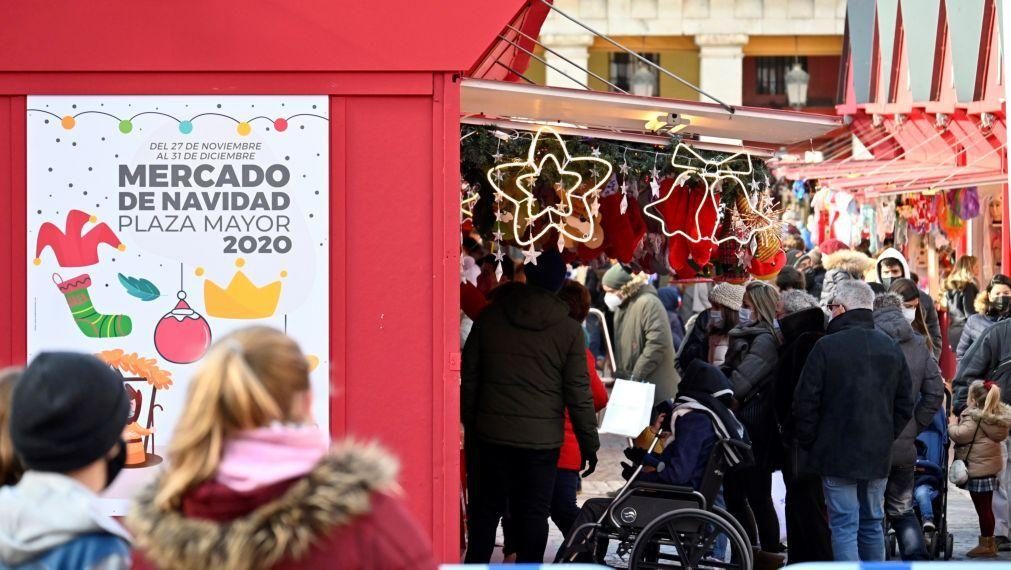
<point x="628" y="408"/>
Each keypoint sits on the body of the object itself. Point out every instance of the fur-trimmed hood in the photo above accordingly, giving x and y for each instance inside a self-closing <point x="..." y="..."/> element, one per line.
<point x="853" y="262"/>
<point x="1001" y="419"/>
<point x="337" y="491"/>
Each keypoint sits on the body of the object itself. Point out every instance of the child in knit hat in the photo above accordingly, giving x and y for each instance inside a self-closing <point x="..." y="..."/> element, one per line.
<point x="66" y="421"/>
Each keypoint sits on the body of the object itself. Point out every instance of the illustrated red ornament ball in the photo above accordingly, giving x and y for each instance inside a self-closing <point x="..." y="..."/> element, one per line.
<point x="182" y="335"/>
<point x="280" y="125"/>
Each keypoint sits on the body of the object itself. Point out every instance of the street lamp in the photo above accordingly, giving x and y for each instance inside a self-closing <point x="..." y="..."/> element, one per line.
<point x="796" y="85"/>
<point x="643" y="81"/>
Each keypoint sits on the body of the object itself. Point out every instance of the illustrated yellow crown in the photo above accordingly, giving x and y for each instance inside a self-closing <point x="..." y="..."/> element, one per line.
<point x="242" y="299"/>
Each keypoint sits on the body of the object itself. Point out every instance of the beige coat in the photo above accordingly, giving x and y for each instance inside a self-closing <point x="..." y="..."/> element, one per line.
<point x="985" y="457"/>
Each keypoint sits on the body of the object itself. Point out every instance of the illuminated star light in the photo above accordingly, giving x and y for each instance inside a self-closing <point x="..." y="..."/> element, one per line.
<point x="595" y="152"/>
<point x="624" y="168"/>
<point x="498" y="235"/>
<point x="754" y="185"/>
<point x="654" y="173"/>
<point x="499" y="255"/>
<point x="654" y="187"/>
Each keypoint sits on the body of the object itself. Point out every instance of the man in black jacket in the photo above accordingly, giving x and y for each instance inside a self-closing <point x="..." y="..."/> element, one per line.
<point x="853" y="400"/>
<point x="524" y="365"/>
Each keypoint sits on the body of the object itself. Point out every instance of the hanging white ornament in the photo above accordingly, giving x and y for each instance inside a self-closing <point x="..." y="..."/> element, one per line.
<point x="498" y="235"/>
<point x="624" y="168"/>
<point x="498" y="176"/>
<point x="530" y="255"/>
<point x="498" y="271"/>
<point x="624" y="204"/>
<point x="499" y="254"/>
<point x="754" y="185"/>
<point x="595" y="152"/>
<point x="654" y="187"/>
<point x="561" y="243"/>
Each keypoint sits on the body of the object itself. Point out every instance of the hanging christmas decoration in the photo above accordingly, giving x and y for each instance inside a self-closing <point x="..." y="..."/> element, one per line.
<point x="547" y="170"/>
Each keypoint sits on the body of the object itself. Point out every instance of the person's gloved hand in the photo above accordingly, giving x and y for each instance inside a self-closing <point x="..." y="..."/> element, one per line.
<point x="635" y="454"/>
<point x="627" y="470"/>
<point x="589" y="464"/>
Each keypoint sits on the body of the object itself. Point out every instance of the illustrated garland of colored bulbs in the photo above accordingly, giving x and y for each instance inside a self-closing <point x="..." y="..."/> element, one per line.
<point x="513" y="181"/>
<point x="758" y="223"/>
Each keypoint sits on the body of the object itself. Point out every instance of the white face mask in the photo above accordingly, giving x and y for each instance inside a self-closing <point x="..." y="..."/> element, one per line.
<point x="744" y="314"/>
<point x="909" y="313"/>
<point x="613" y="301"/>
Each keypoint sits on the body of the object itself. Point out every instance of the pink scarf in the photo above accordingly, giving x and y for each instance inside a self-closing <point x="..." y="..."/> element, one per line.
<point x="264" y="456"/>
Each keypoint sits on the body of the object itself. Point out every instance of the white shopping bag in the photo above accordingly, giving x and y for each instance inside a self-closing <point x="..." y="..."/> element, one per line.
<point x="628" y="408"/>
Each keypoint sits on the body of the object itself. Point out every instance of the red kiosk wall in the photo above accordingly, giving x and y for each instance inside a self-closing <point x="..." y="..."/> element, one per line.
<point x="394" y="164"/>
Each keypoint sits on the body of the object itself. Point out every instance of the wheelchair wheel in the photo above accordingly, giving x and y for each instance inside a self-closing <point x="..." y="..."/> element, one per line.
<point x="690" y="539"/>
<point x="740" y="531"/>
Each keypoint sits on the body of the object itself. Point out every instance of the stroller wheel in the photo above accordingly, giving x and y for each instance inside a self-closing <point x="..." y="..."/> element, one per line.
<point x="949" y="546"/>
<point x="892" y="548"/>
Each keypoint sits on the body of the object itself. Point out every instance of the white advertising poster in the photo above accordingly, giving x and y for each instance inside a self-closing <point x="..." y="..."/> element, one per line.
<point x="158" y="224"/>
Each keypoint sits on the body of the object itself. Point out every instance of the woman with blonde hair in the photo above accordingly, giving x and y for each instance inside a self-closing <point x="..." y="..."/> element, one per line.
<point x="252" y="483"/>
<point x="960" y="291"/>
<point x="752" y="367"/>
<point x="978" y="433"/>
<point x="11" y="468"/>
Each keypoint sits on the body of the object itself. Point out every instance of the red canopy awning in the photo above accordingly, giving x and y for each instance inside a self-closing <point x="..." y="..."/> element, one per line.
<point x="505" y="59"/>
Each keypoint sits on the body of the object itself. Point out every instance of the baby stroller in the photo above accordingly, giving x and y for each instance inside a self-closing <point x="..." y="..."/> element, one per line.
<point x="665" y="526"/>
<point x="933" y="442"/>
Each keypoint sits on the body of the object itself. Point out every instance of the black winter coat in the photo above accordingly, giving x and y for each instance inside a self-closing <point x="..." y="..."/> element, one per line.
<point x="961" y="306"/>
<point x="927" y="388"/>
<point x="801" y="330"/>
<point x="853" y="400"/>
<point x="524" y="364"/>
<point x="989" y="358"/>
<point x="751" y="364"/>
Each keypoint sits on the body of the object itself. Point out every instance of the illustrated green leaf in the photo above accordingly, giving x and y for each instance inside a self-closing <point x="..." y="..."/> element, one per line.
<point x="140" y="288"/>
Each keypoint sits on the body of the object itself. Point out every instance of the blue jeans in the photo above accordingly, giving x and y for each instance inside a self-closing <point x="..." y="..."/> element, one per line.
<point x="899" y="506"/>
<point x="856" y="511"/>
<point x="924" y="495"/>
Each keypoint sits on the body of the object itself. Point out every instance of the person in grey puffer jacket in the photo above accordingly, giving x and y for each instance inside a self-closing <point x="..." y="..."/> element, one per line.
<point x="928" y="393"/>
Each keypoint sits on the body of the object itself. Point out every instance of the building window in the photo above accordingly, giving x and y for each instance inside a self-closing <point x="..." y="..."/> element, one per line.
<point x="624" y="67"/>
<point x="770" y="73"/>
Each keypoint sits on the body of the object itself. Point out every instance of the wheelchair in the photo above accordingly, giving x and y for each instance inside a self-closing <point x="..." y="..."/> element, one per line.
<point x="664" y="526"/>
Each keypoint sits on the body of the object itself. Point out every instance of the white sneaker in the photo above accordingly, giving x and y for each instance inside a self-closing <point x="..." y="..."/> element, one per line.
<point x="929" y="526"/>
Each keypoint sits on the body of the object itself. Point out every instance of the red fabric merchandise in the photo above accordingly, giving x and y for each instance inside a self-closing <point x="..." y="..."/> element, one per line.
<point x="472" y="301"/>
<point x="569" y="457"/>
<point x="622" y="232"/>
<point x="383" y="538"/>
<point x="831" y="245"/>
<point x="686" y="205"/>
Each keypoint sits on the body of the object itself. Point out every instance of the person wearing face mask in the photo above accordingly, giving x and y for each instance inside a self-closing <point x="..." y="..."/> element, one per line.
<point x="892" y="318"/>
<point x="891" y="266"/>
<point x="707" y="333"/>
<point x="984" y="354"/>
<point x="751" y="365"/>
<point x="644" y="347"/>
<point x="992" y="304"/>
<point x="913" y="311"/>
<point x="853" y="400"/>
<point x="68" y="412"/>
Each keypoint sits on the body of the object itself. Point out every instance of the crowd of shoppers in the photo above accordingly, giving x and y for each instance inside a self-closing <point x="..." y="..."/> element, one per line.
<point x="828" y="373"/>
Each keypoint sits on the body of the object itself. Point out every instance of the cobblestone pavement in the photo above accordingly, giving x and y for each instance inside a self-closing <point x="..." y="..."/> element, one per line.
<point x="962" y="520"/>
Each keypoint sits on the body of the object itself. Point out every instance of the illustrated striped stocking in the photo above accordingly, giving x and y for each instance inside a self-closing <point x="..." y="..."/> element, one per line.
<point x="92" y="323"/>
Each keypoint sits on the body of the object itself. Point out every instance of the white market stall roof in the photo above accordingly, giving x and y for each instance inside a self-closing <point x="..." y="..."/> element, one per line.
<point x="624" y="117"/>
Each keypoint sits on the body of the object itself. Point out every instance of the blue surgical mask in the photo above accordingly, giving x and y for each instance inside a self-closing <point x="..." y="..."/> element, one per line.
<point x="744" y="314"/>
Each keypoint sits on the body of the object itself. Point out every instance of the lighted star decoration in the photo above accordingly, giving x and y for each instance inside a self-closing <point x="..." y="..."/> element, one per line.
<point x="523" y="176"/>
<point x="754" y="185"/>
<point x="714" y="175"/>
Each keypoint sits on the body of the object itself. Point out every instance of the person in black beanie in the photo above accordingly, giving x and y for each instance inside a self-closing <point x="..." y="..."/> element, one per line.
<point x="67" y="416"/>
<point x="524" y="363"/>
